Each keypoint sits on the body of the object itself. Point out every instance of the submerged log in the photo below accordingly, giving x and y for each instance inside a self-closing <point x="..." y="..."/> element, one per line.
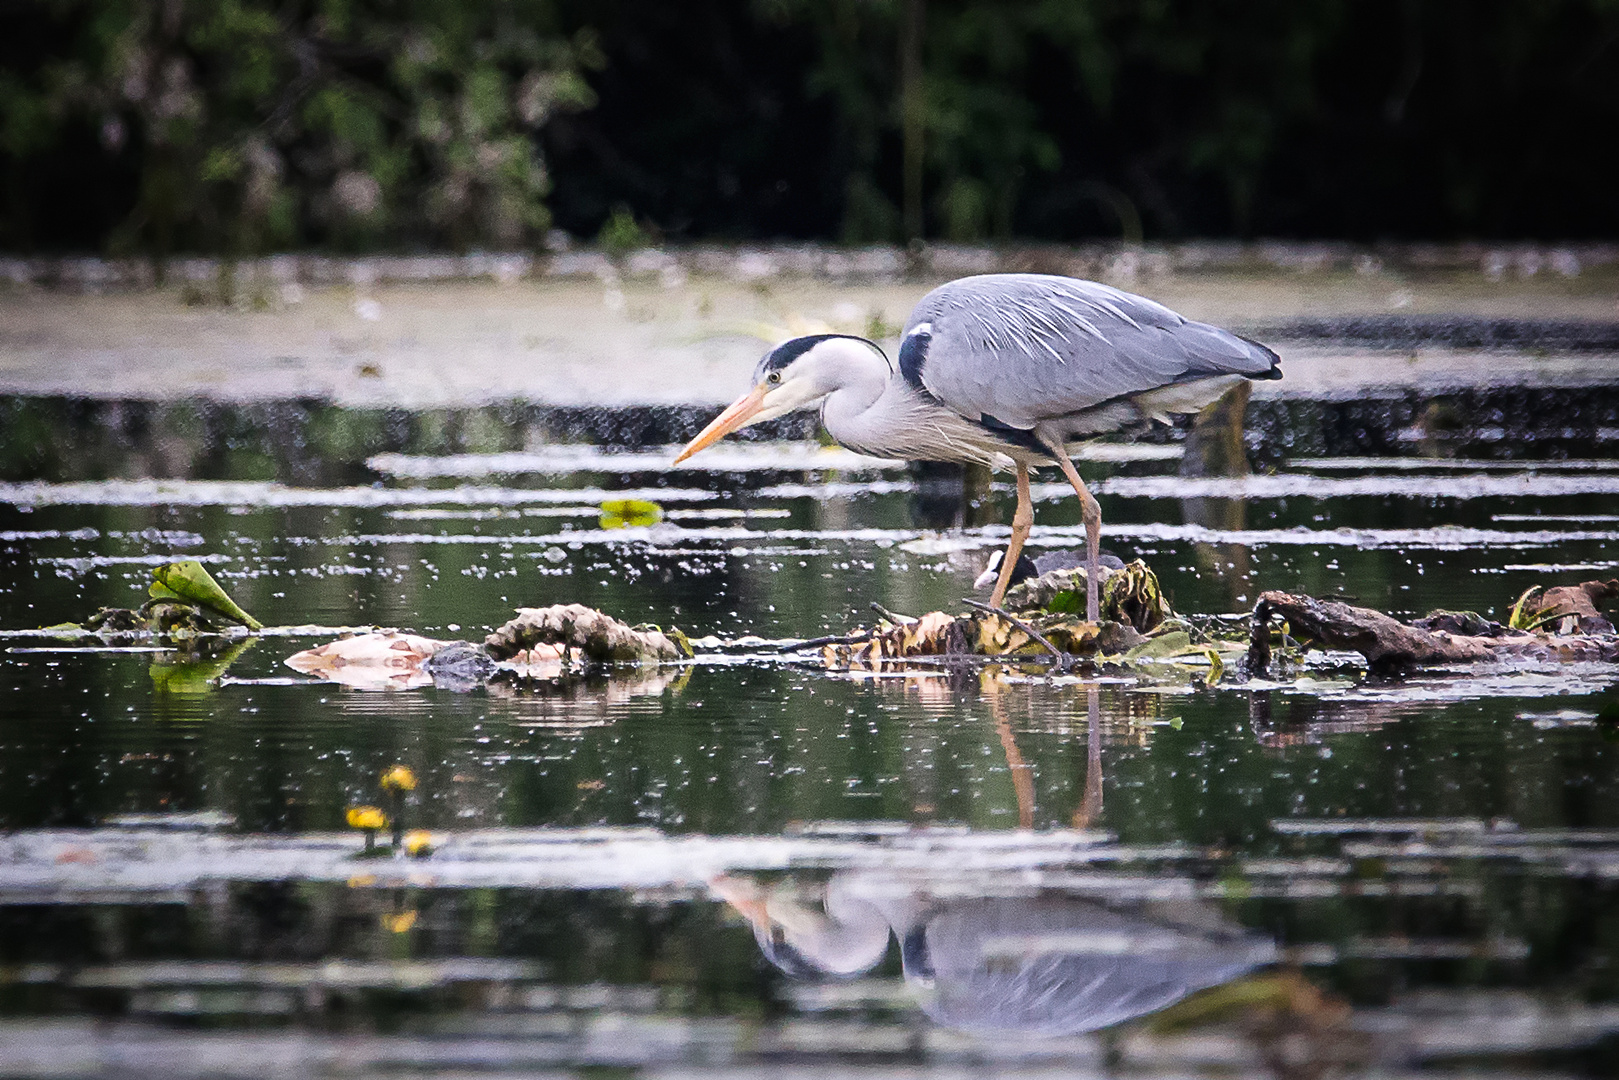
<point x="1389" y="644"/>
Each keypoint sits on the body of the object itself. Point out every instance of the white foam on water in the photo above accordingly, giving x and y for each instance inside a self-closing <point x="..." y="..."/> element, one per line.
<point x="1523" y="484"/>
<point x="1397" y="464"/>
<point x="668" y="536"/>
<point x="90" y="562"/>
<point x="473" y="498"/>
<point x="572" y="458"/>
<point x="49" y="534"/>
<point x="264" y="495"/>
<point x="1582" y="519"/>
<point x="564" y="458"/>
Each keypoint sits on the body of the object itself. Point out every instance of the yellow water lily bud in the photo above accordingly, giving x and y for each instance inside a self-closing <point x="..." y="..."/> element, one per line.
<point x="367" y="817"/>
<point x="418" y="842"/>
<point x="398" y="923"/>
<point x="399" y="778"/>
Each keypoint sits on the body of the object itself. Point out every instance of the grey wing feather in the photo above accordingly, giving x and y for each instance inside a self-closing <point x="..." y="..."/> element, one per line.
<point x="1023" y="348"/>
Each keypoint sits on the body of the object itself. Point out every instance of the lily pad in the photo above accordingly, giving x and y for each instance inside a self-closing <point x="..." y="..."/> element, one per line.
<point x="191" y="582"/>
<point x="620" y="513"/>
<point x="1161" y="647"/>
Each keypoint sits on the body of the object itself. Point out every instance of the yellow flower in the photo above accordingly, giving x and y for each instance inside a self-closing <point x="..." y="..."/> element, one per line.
<point x="367" y="817"/>
<point x="399" y="778"/>
<point x="418" y="842"/>
<point x="400" y="922"/>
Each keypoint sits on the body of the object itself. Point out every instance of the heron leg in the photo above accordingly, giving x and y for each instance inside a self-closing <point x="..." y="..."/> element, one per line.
<point x="1092" y="512"/>
<point x="1022" y="522"/>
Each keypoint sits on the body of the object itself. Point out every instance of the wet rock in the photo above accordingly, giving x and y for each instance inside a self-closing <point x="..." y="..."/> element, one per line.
<point x="1116" y="638"/>
<point x="460" y="666"/>
<point x="1466" y="623"/>
<point x="114" y="621"/>
<point x="600" y="638"/>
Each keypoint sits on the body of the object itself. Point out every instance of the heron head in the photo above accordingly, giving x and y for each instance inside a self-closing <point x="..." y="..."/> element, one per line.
<point x="794" y="375"/>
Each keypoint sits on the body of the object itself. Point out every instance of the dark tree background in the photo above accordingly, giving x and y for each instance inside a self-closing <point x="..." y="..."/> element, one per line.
<point x="249" y="125"/>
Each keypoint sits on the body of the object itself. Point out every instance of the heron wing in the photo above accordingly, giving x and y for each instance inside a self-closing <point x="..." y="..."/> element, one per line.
<point x="1023" y="348"/>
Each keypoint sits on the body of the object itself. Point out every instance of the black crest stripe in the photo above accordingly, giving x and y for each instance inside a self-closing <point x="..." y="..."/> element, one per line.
<point x="788" y="351"/>
<point x="913" y="355"/>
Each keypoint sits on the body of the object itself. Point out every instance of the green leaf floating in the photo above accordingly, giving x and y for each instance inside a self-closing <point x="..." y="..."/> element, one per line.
<point x="191" y="582"/>
<point x="617" y="513"/>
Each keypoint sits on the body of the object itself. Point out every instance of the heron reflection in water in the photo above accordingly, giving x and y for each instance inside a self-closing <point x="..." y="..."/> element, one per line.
<point x="1038" y="963"/>
<point x="990" y="957"/>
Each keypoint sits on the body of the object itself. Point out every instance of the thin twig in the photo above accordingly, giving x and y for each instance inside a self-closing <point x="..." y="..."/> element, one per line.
<point x="892" y="616"/>
<point x="815" y="643"/>
<point x="1062" y="657"/>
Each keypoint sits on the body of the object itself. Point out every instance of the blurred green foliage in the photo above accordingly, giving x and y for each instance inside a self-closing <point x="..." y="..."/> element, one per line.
<point x="252" y="125"/>
<point x="239" y="126"/>
<point x="1060" y="120"/>
<point x="1123" y="110"/>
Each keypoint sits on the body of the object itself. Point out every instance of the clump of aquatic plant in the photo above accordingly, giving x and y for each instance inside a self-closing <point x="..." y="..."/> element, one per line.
<point x="587" y="634"/>
<point x="185" y="603"/>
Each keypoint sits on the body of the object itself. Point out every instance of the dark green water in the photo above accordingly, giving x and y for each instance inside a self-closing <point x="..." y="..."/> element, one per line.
<point x="1427" y="956"/>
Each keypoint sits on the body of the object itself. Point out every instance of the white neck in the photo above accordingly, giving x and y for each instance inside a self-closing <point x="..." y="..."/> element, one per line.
<point x="853" y="375"/>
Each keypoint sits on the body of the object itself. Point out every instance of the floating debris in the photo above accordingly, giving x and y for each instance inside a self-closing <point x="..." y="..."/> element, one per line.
<point x="380" y="660"/>
<point x="599" y="638"/>
<point x="1042" y="617"/>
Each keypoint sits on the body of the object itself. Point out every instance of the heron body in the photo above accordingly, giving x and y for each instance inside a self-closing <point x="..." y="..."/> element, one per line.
<point x="1004" y="369"/>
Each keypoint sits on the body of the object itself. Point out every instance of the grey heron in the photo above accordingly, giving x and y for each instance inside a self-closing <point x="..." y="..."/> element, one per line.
<point x="1004" y="369"/>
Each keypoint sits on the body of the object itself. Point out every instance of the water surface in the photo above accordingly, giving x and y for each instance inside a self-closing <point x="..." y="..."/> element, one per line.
<point x="753" y="861"/>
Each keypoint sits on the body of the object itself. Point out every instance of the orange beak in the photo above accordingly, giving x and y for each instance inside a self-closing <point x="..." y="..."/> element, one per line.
<point x="737" y="414"/>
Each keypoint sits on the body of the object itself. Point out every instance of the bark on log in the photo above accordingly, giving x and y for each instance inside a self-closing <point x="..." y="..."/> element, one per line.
<point x="1383" y="640"/>
<point x="1389" y="644"/>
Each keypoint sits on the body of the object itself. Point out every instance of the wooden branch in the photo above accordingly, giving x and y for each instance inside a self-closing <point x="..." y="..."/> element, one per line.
<point x="834" y="639"/>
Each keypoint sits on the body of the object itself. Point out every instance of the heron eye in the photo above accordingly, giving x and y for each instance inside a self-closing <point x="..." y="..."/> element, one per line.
<point x="775" y="377"/>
